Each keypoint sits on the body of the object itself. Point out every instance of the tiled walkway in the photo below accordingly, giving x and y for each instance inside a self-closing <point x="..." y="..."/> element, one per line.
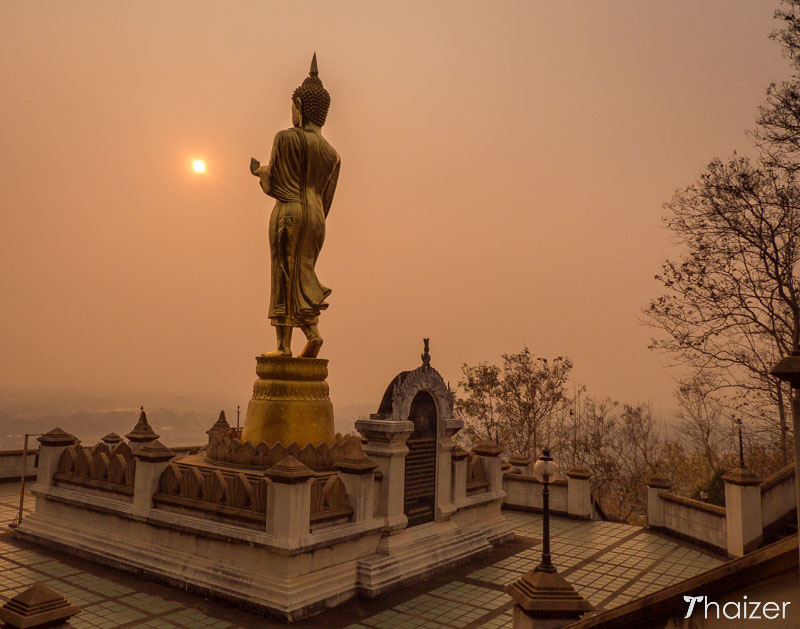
<point x="608" y="563"/>
<point x="103" y="602"/>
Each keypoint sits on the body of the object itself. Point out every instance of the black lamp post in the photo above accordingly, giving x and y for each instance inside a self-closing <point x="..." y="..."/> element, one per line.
<point x="543" y="470"/>
<point x="738" y="423"/>
<point x="542" y="596"/>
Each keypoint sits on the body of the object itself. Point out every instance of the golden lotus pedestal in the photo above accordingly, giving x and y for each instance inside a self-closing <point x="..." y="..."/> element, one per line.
<point x="290" y="403"/>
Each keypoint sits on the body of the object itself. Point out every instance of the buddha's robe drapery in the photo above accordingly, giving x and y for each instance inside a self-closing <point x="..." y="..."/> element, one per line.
<point x="302" y="174"/>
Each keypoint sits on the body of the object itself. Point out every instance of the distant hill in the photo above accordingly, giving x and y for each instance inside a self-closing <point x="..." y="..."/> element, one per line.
<point x="178" y="419"/>
<point x="345" y="416"/>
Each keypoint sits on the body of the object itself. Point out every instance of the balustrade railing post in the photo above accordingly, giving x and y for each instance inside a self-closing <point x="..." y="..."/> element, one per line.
<point x="492" y="464"/>
<point x="579" y="493"/>
<point x="151" y="460"/>
<point x="358" y="475"/>
<point x="460" y="458"/>
<point x="289" y="499"/>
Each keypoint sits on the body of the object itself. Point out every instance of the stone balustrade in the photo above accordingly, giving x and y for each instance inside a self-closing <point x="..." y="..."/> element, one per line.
<point x="751" y="505"/>
<point x="330" y="501"/>
<point x="11" y="464"/>
<point x="234" y="497"/>
<point x="685" y="518"/>
<point x="100" y="468"/>
<point x="778" y="495"/>
<point x="225" y="447"/>
<point x="569" y="497"/>
<point x="696" y="521"/>
<point x="153" y="477"/>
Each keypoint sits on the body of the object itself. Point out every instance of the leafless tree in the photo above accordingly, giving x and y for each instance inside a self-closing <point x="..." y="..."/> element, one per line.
<point x="730" y="303"/>
<point x="702" y="426"/>
<point x="778" y="130"/>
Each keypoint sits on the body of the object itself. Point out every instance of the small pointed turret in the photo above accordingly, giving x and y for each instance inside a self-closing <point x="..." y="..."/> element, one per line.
<point x="111" y="439"/>
<point x="220" y="425"/>
<point x="142" y="431"/>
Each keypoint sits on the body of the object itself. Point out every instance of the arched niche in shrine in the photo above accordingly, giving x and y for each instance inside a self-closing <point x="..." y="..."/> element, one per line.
<point x="419" y="500"/>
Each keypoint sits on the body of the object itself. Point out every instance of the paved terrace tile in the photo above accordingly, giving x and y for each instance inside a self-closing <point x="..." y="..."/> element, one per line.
<point x="105" y="601"/>
<point x="608" y="563"/>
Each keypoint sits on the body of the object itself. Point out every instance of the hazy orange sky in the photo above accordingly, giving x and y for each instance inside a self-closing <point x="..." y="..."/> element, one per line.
<point x="503" y="170"/>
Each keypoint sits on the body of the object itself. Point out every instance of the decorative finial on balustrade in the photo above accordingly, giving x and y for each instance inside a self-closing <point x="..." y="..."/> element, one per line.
<point x="111" y="439"/>
<point x="220" y="425"/>
<point x="142" y="431"/>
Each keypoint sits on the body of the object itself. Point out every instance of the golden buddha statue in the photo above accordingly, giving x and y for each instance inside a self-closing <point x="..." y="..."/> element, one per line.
<point x="301" y="176"/>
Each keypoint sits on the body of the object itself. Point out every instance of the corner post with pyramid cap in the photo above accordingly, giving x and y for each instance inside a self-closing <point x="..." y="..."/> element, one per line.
<point x="289" y="499"/>
<point x="357" y="474"/>
<point x="52" y="446"/>
<point x="151" y="459"/>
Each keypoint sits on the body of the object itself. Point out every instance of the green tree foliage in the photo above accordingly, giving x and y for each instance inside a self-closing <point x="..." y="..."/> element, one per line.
<point x="515" y="404"/>
<point x="479" y="406"/>
<point x="532" y="391"/>
<point x="523" y="406"/>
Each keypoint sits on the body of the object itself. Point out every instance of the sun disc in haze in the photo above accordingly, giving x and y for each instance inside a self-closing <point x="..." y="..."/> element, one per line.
<point x="198" y="165"/>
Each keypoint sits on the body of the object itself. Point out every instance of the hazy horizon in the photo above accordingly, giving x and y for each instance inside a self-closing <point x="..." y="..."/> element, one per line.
<point x="503" y="171"/>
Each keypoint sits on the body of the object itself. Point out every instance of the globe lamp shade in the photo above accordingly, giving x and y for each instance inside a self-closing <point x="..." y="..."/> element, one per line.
<point x="545" y="469"/>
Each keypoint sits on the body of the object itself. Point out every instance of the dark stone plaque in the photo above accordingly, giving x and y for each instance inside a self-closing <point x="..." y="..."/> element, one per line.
<point x="420" y="477"/>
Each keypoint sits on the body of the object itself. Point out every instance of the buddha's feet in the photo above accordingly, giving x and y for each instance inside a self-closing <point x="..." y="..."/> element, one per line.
<point x="311" y="350"/>
<point x="284" y="353"/>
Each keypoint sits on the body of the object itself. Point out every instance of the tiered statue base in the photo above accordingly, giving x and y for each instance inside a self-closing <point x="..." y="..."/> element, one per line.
<point x="290" y="403"/>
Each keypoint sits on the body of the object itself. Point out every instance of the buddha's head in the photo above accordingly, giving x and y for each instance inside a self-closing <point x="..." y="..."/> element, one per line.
<point x="310" y="101"/>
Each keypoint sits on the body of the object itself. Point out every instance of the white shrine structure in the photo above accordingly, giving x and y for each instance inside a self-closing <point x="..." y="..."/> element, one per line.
<point x="285" y="530"/>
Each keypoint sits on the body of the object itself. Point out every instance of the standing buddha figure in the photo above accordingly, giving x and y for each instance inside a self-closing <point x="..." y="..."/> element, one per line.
<point x="301" y="176"/>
